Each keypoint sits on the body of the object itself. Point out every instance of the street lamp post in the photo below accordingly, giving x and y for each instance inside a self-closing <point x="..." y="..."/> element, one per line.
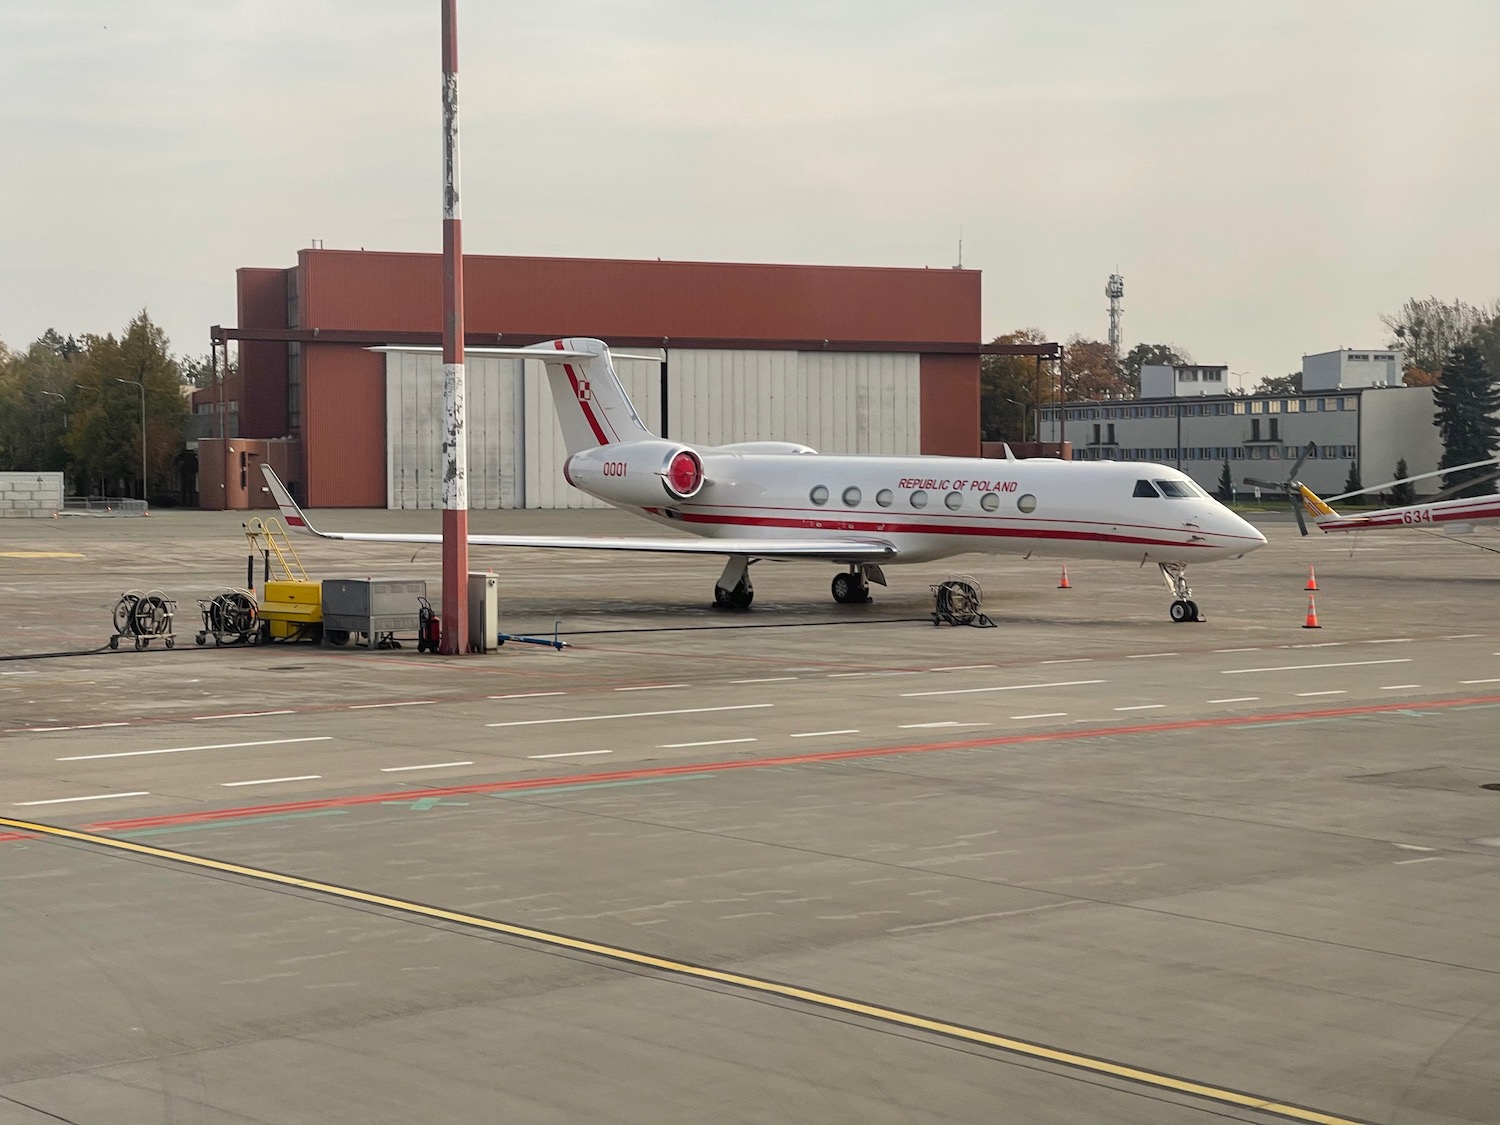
<point x="140" y="387"/>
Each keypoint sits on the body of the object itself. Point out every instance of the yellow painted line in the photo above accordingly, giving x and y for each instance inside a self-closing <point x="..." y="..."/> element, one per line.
<point x="40" y="555"/>
<point x="682" y="968"/>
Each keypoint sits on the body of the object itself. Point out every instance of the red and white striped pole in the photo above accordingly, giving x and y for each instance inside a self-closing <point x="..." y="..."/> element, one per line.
<point x="455" y="453"/>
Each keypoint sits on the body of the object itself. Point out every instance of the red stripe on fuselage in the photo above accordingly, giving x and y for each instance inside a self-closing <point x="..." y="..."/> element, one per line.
<point x="893" y="528"/>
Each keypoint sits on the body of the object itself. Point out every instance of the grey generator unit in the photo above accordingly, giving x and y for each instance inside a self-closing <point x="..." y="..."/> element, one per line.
<point x="377" y="607"/>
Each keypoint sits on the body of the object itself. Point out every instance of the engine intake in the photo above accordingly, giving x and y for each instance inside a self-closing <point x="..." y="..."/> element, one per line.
<point x="640" y="473"/>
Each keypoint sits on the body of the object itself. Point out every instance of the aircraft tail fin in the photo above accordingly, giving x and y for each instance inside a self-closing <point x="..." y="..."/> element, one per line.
<point x="591" y="403"/>
<point x="1315" y="507"/>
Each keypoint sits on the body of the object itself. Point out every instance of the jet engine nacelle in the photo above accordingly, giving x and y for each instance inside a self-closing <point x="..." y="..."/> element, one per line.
<point x="639" y="473"/>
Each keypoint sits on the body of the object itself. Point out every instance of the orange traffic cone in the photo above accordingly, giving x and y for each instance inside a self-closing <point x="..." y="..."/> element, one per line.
<point x="1065" y="584"/>
<point x="1312" y="579"/>
<point x="1312" y="614"/>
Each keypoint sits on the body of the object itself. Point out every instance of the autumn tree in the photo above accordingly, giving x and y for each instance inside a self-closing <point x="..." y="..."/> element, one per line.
<point x="35" y="388"/>
<point x="1010" y="387"/>
<point x="1091" y="371"/>
<point x="1466" y="398"/>
<point x="1143" y="355"/>
<point x="1427" y="330"/>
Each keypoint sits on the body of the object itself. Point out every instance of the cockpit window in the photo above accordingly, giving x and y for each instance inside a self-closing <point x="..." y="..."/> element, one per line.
<point x="1145" y="488"/>
<point x="1175" y="489"/>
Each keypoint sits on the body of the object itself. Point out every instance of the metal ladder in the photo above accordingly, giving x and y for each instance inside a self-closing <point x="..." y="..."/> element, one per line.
<point x="268" y="538"/>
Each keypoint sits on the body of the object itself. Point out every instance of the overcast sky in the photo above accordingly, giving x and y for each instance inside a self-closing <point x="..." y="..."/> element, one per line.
<point x="1268" y="176"/>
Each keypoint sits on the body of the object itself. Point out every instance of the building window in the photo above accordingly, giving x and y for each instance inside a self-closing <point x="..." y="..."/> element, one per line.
<point x="1328" y="452"/>
<point x="293" y="378"/>
<point x="1346" y="402"/>
<point x="1346" y="451"/>
<point x="1239" y="453"/>
<point x="1257" y="408"/>
<point x="1293" y="405"/>
<point x="1239" y="408"/>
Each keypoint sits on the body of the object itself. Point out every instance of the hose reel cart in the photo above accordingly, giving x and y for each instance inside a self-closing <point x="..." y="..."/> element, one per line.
<point x="229" y="618"/>
<point x="144" y="616"/>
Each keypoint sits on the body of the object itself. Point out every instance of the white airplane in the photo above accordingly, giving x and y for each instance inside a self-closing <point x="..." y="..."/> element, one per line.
<point x="1445" y="517"/>
<point x="760" y="500"/>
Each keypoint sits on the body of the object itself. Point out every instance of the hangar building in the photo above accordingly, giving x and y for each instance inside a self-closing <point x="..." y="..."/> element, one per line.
<point x="844" y="359"/>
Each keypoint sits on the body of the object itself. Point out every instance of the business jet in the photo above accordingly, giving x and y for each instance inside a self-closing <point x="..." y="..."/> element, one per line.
<point x="773" y="500"/>
<point x="1446" y="518"/>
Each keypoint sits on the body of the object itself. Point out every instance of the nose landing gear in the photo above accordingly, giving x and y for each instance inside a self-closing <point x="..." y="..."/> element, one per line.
<point x="1183" y="607"/>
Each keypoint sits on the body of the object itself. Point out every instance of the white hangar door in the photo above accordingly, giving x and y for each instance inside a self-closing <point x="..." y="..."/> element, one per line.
<point x="515" y="444"/>
<point x="842" y="402"/>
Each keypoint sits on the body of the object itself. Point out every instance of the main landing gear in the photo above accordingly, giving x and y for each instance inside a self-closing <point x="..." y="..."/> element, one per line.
<point x="853" y="587"/>
<point x="1183" y="607"/>
<point x="733" y="589"/>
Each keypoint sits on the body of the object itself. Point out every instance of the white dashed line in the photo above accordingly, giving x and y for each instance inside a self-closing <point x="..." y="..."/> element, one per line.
<point x="1309" y="694"/>
<point x="1069" y="660"/>
<point x="45" y="730"/>
<point x="1237" y="699"/>
<point x="95" y="797"/>
<point x="240" y="715"/>
<point x="650" y="687"/>
<point x="527" y="695"/>
<point x="1420" y="859"/>
<point x="629" y="715"/>
<point x="963" y="668"/>
<point x="766" y="680"/>
<point x="406" y="703"/>
<point x="271" y="780"/>
<point x="185" y="749"/>
<point x="1007" y="687"/>
<point x="711" y="742"/>
<point x="433" y="766"/>
<point x="1399" y="687"/>
<point x="1142" y="707"/>
<point x="1391" y="641"/>
<point x="1043" y="715"/>
<point x="1489" y="681"/>
<point x="949" y="723"/>
<point x="1252" y="649"/>
<point x="1304" y="667"/>
<point x="822" y="733"/>
<point x="1149" y="655"/>
<point x="572" y="754"/>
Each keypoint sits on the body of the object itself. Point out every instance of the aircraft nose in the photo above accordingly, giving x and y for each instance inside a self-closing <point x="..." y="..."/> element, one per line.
<point x="1248" y="530"/>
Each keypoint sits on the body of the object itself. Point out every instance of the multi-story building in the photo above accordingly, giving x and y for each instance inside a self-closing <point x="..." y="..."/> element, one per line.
<point x="1370" y="426"/>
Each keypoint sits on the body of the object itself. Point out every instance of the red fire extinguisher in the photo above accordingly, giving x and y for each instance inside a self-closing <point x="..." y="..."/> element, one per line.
<point x="429" y="627"/>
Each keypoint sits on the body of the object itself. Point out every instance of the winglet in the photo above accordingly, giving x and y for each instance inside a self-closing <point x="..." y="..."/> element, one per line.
<point x="291" y="515"/>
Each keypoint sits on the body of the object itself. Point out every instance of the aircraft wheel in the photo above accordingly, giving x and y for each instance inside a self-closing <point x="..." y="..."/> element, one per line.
<point x="1193" y="612"/>
<point x="338" y="637"/>
<point x="741" y="597"/>
<point x="1182" y="611"/>
<point x="114" y="642"/>
<point x="171" y="642"/>
<point x="844" y="588"/>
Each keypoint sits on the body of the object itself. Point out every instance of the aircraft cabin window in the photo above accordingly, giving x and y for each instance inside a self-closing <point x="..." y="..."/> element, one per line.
<point x="851" y="497"/>
<point x="1145" y="488"/>
<point x="954" y="500"/>
<point x="919" y="499"/>
<point x="989" y="501"/>
<point x="1174" y="489"/>
<point x="819" y="495"/>
<point x="884" y="497"/>
<point x="1027" y="503"/>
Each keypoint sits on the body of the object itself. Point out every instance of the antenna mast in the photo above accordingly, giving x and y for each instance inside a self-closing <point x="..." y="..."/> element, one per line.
<point x="1115" y="290"/>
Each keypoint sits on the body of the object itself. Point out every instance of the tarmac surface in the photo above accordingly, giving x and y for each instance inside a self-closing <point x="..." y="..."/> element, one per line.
<point x="808" y="863"/>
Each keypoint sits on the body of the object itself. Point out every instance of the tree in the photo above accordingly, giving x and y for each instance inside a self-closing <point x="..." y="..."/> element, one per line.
<point x="1403" y="492"/>
<point x="198" y="370"/>
<point x="1427" y="330"/>
<point x="104" y="439"/>
<point x="1010" y="387"/>
<point x="1352" y="483"/>
<point x="35" y="387"/>
<point x="1146" y="354"/>
<point x="1090" y="371"/>
<point x="1280" y="384"/>
<point x="1225" y="490"/>
<point x="1466" y="399"/>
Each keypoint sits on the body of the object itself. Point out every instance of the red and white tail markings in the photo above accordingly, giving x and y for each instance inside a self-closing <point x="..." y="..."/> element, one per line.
<point x="585" y="400"/>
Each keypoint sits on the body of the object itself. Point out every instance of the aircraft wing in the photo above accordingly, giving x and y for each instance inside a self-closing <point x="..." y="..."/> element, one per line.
<point x="833" y="548"/>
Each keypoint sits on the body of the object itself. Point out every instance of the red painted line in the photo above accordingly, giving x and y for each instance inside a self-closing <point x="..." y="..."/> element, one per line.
<point x="544" y="783"/>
